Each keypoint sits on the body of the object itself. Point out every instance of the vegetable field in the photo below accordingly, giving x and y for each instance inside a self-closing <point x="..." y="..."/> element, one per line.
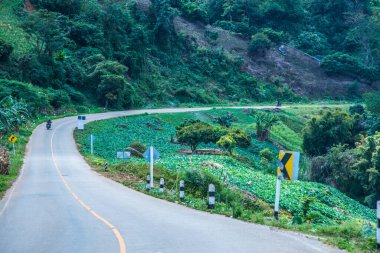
<point x="327" y="205"/>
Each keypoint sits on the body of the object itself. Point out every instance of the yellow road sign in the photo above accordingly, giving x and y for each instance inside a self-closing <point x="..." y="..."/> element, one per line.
<point x="288" y="164"/>
<point x="12" y="138"/>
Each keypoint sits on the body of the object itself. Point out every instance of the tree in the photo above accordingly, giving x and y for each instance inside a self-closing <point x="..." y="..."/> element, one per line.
<point x="313" y="43"/>
<point x="264" y="122"/>
<point x="227" y="142"/>
<point x="259" y="44"/>
<point x="226" y="120"/>
<point x="109" y="79"/>
<point x="195" y="134"/>
<point x="372" y="102"/>
<point x="327" y="130"/>
<point x="46" y="30"/>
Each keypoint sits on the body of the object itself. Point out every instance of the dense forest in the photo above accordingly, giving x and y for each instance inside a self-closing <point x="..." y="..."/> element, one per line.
<point x="123" y="54"/>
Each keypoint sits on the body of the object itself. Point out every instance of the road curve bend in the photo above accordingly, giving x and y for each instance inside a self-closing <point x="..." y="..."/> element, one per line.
<point x="58" y="204"/>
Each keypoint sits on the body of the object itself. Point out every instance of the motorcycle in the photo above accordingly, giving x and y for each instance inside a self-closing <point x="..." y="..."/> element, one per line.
<point x="48" y="125"/>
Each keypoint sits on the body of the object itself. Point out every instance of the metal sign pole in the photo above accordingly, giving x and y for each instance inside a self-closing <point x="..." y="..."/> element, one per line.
<point x="14" y="149"/>
<point x="151" y="166"/>
<point x="277" y="200"/>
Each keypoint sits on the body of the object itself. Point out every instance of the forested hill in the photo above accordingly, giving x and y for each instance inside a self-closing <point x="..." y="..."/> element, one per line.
<point x="123" y="54"/>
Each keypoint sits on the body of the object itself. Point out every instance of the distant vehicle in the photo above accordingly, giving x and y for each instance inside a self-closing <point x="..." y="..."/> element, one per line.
<point x="48" y="124"/>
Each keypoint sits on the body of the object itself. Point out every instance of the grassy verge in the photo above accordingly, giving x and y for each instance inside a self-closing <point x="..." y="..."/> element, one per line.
<point x="354" y="236"/>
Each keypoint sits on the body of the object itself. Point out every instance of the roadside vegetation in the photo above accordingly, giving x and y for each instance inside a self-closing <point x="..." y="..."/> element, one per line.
<point x="237" y="163"/>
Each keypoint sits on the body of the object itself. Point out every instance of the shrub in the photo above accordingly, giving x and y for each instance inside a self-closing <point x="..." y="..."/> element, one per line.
<point x="327" y="130"/>
<point x="357" y="109"/>
<point x="312" y="43"/>
<point x="5" y="50"/>
<point x="372" y="102"/>
<point x="344" y="64"/>
<point x="259" y="43"/>
<point x="274" y="36"/>
<point x="138" y="146"/>
<point x="266" y="154"/>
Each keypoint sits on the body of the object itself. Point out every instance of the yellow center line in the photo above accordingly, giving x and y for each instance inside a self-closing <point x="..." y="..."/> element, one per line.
<point x="122" y="247"/>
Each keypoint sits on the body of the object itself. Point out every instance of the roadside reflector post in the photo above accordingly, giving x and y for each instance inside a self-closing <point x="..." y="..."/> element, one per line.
<point x="181" y="190"/>
<point x="92" y="144"/>
<point x="211" y="196"/>
<point x="277" y="200"/>
<point x="162" y="182"/>
<point x="151" y="159"/>
<point x="378" y="227"/>
<point x="148" y="182"/>
<point x="106" y="167"/>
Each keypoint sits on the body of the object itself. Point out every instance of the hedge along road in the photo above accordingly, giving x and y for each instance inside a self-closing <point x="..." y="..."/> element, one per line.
<point x="58" y="204"/>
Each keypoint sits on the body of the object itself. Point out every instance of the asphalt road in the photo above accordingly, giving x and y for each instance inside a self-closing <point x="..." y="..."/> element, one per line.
<point x="58" y="204"/>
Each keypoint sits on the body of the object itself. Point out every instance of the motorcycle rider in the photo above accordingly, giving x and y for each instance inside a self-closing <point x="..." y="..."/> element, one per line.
<point x="48" y="124"/>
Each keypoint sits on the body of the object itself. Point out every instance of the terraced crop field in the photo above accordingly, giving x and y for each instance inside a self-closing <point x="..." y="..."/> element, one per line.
<point x="329" y="206"/>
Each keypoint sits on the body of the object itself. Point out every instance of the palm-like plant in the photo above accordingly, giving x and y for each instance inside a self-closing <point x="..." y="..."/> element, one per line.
<point x="13" y="114"/>
<point x="264" y="122"/>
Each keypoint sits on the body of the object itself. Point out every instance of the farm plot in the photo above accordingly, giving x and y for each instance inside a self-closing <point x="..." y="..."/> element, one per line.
<point x="327" y="205"/>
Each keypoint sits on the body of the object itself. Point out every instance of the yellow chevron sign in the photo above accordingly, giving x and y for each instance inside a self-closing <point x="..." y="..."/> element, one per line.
<point x="12" y="138"/>
<point x="288" y="164"/>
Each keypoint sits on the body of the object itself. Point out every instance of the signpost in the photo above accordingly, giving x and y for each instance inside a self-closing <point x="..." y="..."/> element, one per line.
<point x="123" y="155"/>
<point x="151" y="155"/>
<point x="81" y="120"/>
<point x="13" y="139"/>
<point x="288" y="165"/>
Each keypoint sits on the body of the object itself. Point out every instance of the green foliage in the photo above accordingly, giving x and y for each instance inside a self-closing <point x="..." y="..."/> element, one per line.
<point x="333" y="206"/>
<point x="264" y="123"/>
<point x="312" y="43"/>
<point x="327" y="130"/>
<point x="194" y="134"/>
<point x="372" y="102"/>
<point x="5" y="50"/>
<point x="259" y="43"/>
<point x="266" y="154"/>
<point x="225" y="120"/>
<point x="227" y="142"/>
<point x="356" y="109"/>
<point x="345" y="64"/>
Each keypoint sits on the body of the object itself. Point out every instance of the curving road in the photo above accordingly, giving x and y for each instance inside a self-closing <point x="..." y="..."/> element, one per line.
<point x="58" y="204"/>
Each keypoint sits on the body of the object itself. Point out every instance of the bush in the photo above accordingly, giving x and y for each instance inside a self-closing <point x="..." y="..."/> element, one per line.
<point x="138" y="146"/>
<point x="5" y="50"/>
<point x="197" y="182"/>
<point x="259" y="43"/>
<point x="274" y="36"/>
<point x="357" y="109"/>
<point x="327" y="130"/>
<point x="58" y="98"/>
<point x="312" y="43"/>
<point x="344" y="64"/>
<point x="267" y="154"/>
<point x="372" y="102"/>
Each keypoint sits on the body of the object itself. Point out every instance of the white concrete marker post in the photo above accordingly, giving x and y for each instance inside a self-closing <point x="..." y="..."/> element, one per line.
<point x="211" y="196"/>
<point x="378" y="227"/>
<point x="277" y="200"/>
<point x="151" y="158"/>
<point x="92" y="144"/>
<point x="162" y="181"/>
<point x="148" y="182"/>
<point x="181" y="189"/>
